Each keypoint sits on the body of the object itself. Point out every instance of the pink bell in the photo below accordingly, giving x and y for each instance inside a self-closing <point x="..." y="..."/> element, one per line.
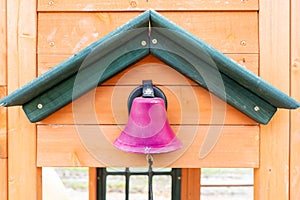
<point x="148" y="130"/>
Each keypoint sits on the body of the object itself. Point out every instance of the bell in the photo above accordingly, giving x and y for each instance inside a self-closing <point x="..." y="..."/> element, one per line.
<point x="148" y="130"/>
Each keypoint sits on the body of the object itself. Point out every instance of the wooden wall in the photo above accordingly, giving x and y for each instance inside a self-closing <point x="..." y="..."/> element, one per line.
<point x="275" y="68"/>
<point x="71" y="31"/>
<point x="21" y="68"/>
<point x="295" y="93"/>
<point x="263" y="36"/>
<point x="3" y="111"/>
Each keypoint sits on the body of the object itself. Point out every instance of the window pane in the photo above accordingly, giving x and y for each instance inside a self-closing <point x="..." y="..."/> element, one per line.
<point x="162" y="187"/>
<point x="227" y="176"/>
<point x="226" y="193"/>
<point x="146" y="169"/>
<point x="229" y="183"/>
<point x="65" y="183"/>
<point x="162" y="169"/>
<point x="115" y="169"/>
<point x="137" y="169"/>
<point x="115" y="187"/>
<point x="138" y="187"/>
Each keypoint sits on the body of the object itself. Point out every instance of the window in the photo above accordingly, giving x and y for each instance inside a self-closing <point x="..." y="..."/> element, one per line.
<point x="65" y="183"/>
<point x="227" y="184"/>
<point x="132" y="183"/>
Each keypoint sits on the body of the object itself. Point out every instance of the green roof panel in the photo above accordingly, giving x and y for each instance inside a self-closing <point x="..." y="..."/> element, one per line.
<point x="150" y="33"/>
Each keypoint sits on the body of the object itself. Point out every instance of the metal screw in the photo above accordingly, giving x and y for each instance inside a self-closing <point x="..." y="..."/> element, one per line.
<point x="50" y="3"/>
<point x="154" y="41"/>
<point x="256" y="108"/>
<point x="243" y="43"/>
<point x="40" y="106"/>
<point x="296" y="64"/>
<point x="143" y="43"/>
<point x="52" y="43"/>
<point x="133" y="4"/>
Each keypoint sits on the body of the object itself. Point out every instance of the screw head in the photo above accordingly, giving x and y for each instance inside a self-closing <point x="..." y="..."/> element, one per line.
<point x="51" y="43"/>
<point x="40" y="106"/>
<point x="143" y="43"/>
<point x="50" y="3"/>
<point x="133" y="4"/>
<point x="154" y="41"/>
<point x="243" y="43"/>
<point x="256" y="108"/>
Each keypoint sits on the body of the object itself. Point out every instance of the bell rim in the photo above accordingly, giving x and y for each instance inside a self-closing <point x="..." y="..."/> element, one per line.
<point x="170" y="147"/>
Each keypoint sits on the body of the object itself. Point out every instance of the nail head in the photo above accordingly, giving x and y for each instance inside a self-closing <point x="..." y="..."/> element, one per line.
<point x="143" y="43"/>
<point x="256" y="108"/>
<point x="154" y="41"/>
<point x="40" y="106"/>
<point x="243" y="43"/>
<point x="52" y="43"/>
<point x="133" y="4"/>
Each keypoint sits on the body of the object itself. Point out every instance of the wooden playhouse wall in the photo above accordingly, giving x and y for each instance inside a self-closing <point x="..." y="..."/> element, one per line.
<point x="36" y="35"/>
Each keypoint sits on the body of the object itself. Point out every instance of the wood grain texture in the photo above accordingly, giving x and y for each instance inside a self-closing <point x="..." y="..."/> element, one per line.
<point x="92" y="183"/>
<point x="21" y="50"/>
<point x="62" y="145"/>
<point x="229" y="32"/>
<point x="117" y="5"/>
<point x="272" y="178"/>
<point x="46" y="62"/>
<point x="295" y="93"/>
<point x="3" y="32"/>
<point x="109" y="106"/>
<point x="184" y="97"/>
<point x="190" y="184"/>
<point x="3" y="126"/>
<point x="39" y="186"/>
<point x="3" y="179"/>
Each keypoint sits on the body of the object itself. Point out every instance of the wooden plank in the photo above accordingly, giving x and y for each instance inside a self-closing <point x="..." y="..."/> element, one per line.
<point x="3" y="126"/>
<point x="71" y="32"/>
<point x="22" y="136"/>
<point x="117" y="5"/>
<point x="272" y="178"/>
<point x="177" y="88"/>
<point x="39" y="188"/>
<point x="72" y="87"/>
<point x="109" y="48"/>
<point x="183" y="101"/>
<point x="3" y="179"/>
<point x="295" y="93"/>
<point x="46" y="62"/>
<point x="190" y="184"/>
<point x="92" y="183"/>
<point x="229" y="32"/>
<point x="63" y="145"/>
<point x="3" y="53"/>
<point x="235" y="79"/>
<point x="226" y="31"/>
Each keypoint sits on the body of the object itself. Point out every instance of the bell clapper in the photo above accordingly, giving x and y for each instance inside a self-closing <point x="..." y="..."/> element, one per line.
<point x="149" y="158"/>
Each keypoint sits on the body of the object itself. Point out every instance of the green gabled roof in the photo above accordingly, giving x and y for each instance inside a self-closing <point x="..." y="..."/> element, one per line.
<point x="150" y="33"/>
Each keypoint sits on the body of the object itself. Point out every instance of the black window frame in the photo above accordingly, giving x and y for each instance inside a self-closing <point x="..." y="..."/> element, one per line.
<point x="102" y="174"/>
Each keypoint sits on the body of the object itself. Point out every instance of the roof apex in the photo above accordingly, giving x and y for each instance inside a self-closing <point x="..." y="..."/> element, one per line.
<point x="133" y="41"/>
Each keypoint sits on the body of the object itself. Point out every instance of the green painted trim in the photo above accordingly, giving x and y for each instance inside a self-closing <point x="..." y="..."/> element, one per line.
<point x="121" y="48"/>
<point x="225" y="64"/>
<point x="70" y="66"/>
<point x="236" y="95"/>
<point x="87" y="78"/>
